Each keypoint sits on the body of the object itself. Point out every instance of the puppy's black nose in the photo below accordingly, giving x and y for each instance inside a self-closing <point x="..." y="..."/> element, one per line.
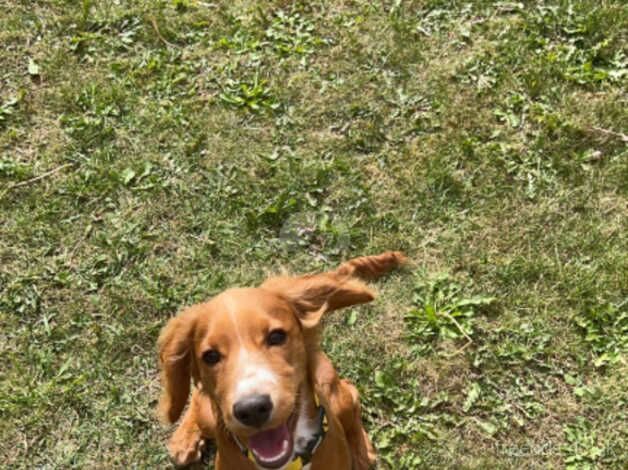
<point x="253" y="410"/>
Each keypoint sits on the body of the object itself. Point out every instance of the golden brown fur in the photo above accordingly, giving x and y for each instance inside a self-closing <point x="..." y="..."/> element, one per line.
<point x="236" y="323"/>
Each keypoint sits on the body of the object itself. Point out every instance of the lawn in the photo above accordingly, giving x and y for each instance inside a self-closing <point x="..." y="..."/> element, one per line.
<point x="156" y="152"/>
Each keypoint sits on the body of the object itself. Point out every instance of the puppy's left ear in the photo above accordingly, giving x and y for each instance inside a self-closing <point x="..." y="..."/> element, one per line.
<point x="314" y="295"/>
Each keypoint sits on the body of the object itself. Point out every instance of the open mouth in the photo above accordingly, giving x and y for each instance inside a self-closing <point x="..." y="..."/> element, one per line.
<point x="272" y="448"/>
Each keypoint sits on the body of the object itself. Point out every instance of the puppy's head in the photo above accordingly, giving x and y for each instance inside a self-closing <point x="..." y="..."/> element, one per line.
<point x="248" y="349"/>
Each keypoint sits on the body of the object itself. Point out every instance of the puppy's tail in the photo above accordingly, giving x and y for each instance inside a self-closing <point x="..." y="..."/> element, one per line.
<point x="372" y="267"/>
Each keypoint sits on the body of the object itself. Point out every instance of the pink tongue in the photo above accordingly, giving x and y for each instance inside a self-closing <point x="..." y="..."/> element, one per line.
<point x="269" y="444"/>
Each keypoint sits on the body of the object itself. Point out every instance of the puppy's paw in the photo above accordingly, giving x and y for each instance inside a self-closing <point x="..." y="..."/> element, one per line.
<point x="366" y="456"/>
<point x="370" y="451"/>
<point x="185" y="447"/>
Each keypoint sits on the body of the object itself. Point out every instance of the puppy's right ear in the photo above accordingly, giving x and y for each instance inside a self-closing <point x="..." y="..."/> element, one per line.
<point x="315" y="294"/>
<point x="177" y="363"/>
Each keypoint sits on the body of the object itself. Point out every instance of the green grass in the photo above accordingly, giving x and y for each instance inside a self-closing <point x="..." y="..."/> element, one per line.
<point x="153" y="153"/>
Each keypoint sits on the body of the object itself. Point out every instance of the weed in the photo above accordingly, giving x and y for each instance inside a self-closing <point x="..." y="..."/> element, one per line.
<point x="582" y="450"/>
<point x="605" y="330"/>
<point x="442" y="312"/>
<point x="291" y="34"/>
<point x="6" y="109"/>
<point x="254" y="95"/>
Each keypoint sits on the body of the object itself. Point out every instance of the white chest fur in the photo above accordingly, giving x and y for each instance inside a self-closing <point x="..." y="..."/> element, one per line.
<point x="306" y="428"/>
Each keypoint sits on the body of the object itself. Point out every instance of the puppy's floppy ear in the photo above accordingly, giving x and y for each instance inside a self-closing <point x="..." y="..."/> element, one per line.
<point x="313" y="295"/>
<point x="374" y="266"/>
<point x="177" y="364"/>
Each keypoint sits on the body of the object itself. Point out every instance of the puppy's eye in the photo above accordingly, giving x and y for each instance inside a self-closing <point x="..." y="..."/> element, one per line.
<point x="211" y="357"/>
<point x="276" y="337"/>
